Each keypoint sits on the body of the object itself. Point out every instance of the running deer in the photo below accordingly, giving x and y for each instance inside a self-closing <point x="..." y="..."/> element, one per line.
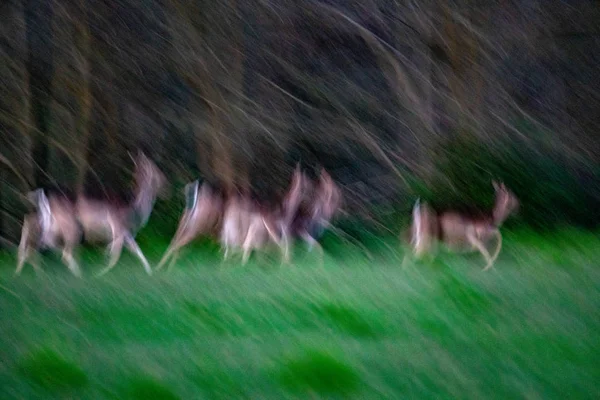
<point x="461" y="232"/>
<point x="203" y="210"/>
<point x="236" y="222"/>
<point x="249" y="227"/>
<point x="315" y="215"/>
<point x="61" y="221"/>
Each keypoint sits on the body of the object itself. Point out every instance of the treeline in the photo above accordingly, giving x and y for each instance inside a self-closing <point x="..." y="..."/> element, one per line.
<point x="395" y="99"/>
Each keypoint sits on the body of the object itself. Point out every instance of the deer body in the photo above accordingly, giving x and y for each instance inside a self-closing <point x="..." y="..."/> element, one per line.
<point x="99" y="219"/>
<point x="461" y="232"/>
<point x="455" y="229"/>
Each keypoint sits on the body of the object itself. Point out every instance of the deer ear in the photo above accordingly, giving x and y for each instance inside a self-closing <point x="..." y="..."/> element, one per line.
<point x="32" y="196"/>
<point x="142" y="156"/>
<point x="136" y="160"/>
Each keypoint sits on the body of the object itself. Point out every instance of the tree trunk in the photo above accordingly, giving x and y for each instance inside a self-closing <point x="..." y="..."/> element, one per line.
<point x="16" y="174"/>
<point x="38" y="18"/>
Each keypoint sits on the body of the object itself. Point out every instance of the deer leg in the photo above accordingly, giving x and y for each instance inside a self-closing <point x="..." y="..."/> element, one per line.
<point x="308" y="239"/>
<point x="231" y="251"/>
<point x="179" y="240"/>
<point x="24" y="255"/>
<point x="133" y="246"/>
<point x="226" y="254"/>
<point x="312" y="242"/>
<point x="24" y="248"/>
<point x="27" y="253"/>
<point x="282" y="242"/>
<point x="169" y="253"/>
<point x="285" y="244"/>
<point x="498" y="248"/>
<point x="224" y="244"/>
<point x="479" y="246"/>
<point x="116" y="247"/>
<point x="175" y="252"/>
<point x="286" y="247"/>
<point x="247" y="247"/>
<point x="246" y="255"/>
<point x="69" y="260"/>
<point x="32" y="257"/>
<point x="173" y="260"/>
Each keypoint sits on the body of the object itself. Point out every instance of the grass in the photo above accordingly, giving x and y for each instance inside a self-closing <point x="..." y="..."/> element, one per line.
<point x="354" y="328"/>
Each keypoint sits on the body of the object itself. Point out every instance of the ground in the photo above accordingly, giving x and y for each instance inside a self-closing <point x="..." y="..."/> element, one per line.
<point x="355" y="327"/>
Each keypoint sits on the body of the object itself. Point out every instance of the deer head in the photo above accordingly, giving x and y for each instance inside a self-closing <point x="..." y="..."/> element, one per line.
<point x="506" y="203"/>
<point x="148" y="176"/>
<point x="329" y="195"/>
<point x="150" y="182"/>
<point x="295" y="194"/>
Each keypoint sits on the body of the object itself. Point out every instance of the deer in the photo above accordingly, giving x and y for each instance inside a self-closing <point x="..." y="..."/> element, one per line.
<point x="264" y="226"/>
<point x="236" y="222"/>
<point x="249" y="227"/>
<point x="315" y="215"/>
<point x="462" y="232"/>
<point x="62" y="222"/>
<point x="203" y="212"/>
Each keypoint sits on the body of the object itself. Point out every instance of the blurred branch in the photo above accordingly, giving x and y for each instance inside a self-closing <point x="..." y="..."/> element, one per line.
<point x="402" y="78"/>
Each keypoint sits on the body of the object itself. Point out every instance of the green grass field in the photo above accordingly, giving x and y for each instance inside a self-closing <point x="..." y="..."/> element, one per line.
<point x="352" y="328"/>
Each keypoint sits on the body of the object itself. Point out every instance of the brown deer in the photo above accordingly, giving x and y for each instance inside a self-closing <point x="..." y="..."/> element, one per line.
<point x="264" y="226"/>
<point x="62" y="221"/>
<point x="236" y="222"/>
<point x="204" y="209"/>
<point x="461" y="232"/>
<point x="249" y="227"/>
<point x="315" y="215"/>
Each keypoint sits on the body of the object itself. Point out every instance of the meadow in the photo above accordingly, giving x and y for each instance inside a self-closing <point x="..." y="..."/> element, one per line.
<point x="357" y="326"/>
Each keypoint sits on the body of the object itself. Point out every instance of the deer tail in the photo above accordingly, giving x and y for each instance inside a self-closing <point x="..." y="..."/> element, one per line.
<point x="417" y="225"/>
